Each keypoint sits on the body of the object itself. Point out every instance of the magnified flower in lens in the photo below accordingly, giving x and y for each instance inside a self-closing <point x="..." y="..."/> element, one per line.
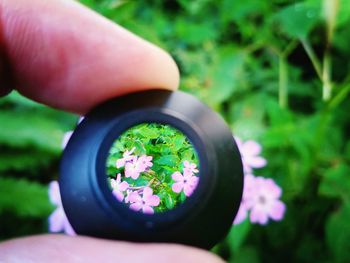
<point x="144" y="202"/>
<point x="185" y="182"/>
<point x="127" y="157"/>
<point x="118" y="187"/>
<point x="190" y="168"/>
<point x="127" y="196"/>
<point x="144" y="162"/>
<point x="132" y="169"/>
<point x="58" y="221"/>
<point x="250" y="151"/>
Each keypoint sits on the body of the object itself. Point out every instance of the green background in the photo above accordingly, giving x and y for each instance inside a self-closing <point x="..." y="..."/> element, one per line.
<point x="277" y="71"/>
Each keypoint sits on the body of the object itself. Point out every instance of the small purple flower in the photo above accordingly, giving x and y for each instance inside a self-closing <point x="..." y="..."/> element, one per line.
<point x="246" y="202"/>
<point x="190" y="168"/>
<point x="66" y="138"/>
<point x="132" y="169"/>
<point x="260" y="199"/>
<point x="127" y="157"/>
<point x="118" y="187"/>
<point x="265" y="201"/>
<point x="144" y="162"/>
<point x="144" y="203"/>
<point x="58" y="221"/>
<point x="186" y="182"/>
<point x="241" y="214"/>
<point x="250" y="151"/>
<point x="127" y="197"/>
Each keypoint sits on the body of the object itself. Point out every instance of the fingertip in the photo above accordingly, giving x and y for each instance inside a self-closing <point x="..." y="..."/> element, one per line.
<point x="69" y="57"/>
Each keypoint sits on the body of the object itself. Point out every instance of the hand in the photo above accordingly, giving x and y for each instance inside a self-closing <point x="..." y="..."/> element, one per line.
<point x="61" y="54"/>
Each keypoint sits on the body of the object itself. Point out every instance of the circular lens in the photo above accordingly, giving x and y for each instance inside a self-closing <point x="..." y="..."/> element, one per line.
<point x="152" y="168"/>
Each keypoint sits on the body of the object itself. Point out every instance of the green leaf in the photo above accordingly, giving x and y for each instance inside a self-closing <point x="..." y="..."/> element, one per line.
<point x="25" y="129"/>
<point x="24" y="198"/>
<point x="22" y="161"/>
<point x="168" y="160"/>
<point x="338" y="234"/>
<point x="246" y="255"/>
<point x="238" y="234"/>
<point x="226" y="75"/>
<point x="169" y="202"/>
<point x="195" y="33"/>
<point x="336" y="182"/>
<point x="298" y="19"/>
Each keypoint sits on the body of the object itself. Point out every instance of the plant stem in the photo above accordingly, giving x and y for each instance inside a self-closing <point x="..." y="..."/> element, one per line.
<point x="312" y="56"/>
<point x="342" y="94"/>
<point x="326" y="76"/>
<point x="283" y="82"/>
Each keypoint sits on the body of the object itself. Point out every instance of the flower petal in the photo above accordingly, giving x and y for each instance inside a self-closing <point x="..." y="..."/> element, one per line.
<point x="136" y="206"/>
<point x="134" y="197"/>
<point x="68" y="229"/>
<point x="241" y="215"/>
<point x="153" y="200"/>
<point x="120" y="163"/>
<point x="56" y="220"/>
<point x="54" y="193"/>
<point x="257" y="215"/>
<point x="118" y="195"/>
<point x="147" y="193"/>
<point x="257" y="162"/>
<point x="123" y="186"/>
<point x="177" y="187"/>
<point x="66" y="138"/>
<point x="147" y="209"/>
<point x="188" y="190"/>
<point x="252" y="147"/>
<point x="277" y="210"/>
<point x="177" y="176"/>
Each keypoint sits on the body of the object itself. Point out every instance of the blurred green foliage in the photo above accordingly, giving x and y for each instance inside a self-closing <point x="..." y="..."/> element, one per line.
<point x="277" y="71"/>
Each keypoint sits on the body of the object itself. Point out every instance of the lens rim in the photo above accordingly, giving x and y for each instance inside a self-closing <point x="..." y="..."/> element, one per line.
<point x="167" y="117"/>
<point x="203" y="222"/>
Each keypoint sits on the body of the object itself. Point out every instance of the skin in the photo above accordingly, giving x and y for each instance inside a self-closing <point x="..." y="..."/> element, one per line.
<point x="68" y="57"/>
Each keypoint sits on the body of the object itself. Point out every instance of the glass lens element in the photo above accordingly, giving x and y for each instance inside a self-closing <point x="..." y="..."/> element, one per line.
<point x="152" y="168"/>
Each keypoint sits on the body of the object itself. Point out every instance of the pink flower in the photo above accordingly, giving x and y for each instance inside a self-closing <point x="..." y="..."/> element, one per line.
<point x="132" y="169"/>
<point x="190" y="168"/>
<point x="127" y="197"/>
<point x="58" y="220"/>
<point x="246" y="202"/>
<point x="241" y="214"/>
<point x="186" y="182"/>
<point x="118" y="187"/>
<point x="260" y="199"/>
<point x="66" y="138"/>
<point x="144" y="203"/>
<point x="144" y="162"/>
<point x="127" y="157"/>
<point x="250" y="151"/>
<point x="265" y="202"/>
<point x="68" y="134"/>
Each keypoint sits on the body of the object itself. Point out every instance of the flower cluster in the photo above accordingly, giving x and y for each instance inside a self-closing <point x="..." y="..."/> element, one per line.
<point x="186" y="181"/>
<point x="141" y="197"/>
<point x="261" y="195"/>
<point x="58" y="221"/>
